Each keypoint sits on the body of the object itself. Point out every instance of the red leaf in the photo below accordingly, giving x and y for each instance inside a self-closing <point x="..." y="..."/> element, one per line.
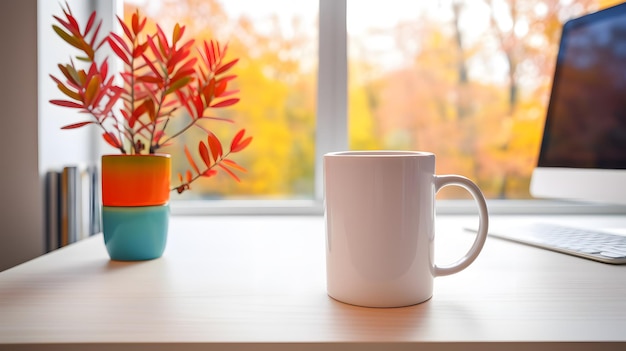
<point x="104" y="69"/>
<point x="111" y="139"/>
<point x="129" y="35"/>
<point x="191" y="161"/>
<point x="241" y="145"/>
<point x="143" y="23"/>
<point x="90" y="22"/>
<point x="229" y="93"/>
<point x="220" y="53"/>
<point x="149" y="79"/>
<point x="215" y="146"/>
<point x="66" y="103"/>
<point x="209" y="173"/>
<point x="227" y="78"/>
<point x="220" y="88"/>
<point x="118" y="51"/>
<point x="154" y="49"/>
<point x="234" y="165"/>
<point x="208" y="91"/>
<point x="185" y="71"/>
<point x="95" y="36"/>
<point x="226" y="103"/>
<point x="237" y="138"/>
<point x="226" y="67"/>
<point x="189" y="176"/>
<point x="150" y="64"/>
<point x="112" y="100"/>
<point x="132" y="119"/>
<point x="139" y="50"/>
<point x="204" y="153"/>
<point x="135" y="22"/>
<point x="197" y="101"/>
<point x="185" y="101"/>
<point x="73" y="23"/>
<point x="230" y="173"/>
<point x="162" y="39"/>
<point x="77" y="125"/>
<point x="119" y="41"/>
<point x="211" y="53"/>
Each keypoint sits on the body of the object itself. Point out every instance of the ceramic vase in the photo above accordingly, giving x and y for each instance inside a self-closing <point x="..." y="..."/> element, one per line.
<point x="135" y="205"/>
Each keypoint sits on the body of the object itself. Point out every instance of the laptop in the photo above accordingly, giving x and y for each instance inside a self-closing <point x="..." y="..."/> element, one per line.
<point x="583" y="150"/>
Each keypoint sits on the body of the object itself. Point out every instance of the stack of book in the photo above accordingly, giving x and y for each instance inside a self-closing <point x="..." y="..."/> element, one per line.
<point x="72" y="205"/>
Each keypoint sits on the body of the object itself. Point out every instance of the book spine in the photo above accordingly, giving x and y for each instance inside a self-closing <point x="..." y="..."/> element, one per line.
<point x="69" y="209"/>
<point x="52" y="188"/>
<point x="94" y="201"/>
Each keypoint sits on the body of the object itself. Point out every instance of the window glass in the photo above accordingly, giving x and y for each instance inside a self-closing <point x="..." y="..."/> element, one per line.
<point x="468" y="80"/>
<point x="276" y="43"/>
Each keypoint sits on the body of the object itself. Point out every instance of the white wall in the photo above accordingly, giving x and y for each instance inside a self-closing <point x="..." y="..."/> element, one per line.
<point x="21" y="214"/>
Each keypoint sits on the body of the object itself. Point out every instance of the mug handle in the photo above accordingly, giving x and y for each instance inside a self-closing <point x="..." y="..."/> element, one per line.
<point x="456" y="180"/>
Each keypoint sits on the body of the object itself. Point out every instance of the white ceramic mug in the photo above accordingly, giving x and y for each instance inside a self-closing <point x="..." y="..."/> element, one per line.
<point x="379" y="209"/>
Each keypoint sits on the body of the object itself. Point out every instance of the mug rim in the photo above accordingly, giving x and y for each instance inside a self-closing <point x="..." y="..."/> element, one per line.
<point x="379" y="153"/>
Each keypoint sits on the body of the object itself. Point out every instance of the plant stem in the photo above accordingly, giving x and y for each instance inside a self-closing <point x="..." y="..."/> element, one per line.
<point x="193" y="122"/>
<point x="186" y="185"/>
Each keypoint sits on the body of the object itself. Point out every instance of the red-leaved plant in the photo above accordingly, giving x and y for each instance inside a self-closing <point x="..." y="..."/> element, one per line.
<point x="160" y="76"/>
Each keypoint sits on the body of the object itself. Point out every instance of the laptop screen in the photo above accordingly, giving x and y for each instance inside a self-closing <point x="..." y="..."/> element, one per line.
<point x="586" y="120"/>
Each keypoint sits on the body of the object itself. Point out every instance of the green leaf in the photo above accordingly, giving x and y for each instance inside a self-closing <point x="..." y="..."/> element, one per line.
<point x="70" y="39"/>
<point x="67" y="91"/>
<point x="92" y="90"/>
<point x="178" y="85"/>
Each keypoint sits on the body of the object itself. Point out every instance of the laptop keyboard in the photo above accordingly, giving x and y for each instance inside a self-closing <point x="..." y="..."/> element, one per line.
<point x="591" y="244"/>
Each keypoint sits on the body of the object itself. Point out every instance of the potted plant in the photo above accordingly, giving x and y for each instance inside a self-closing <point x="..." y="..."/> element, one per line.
<point x="133" y="108"/>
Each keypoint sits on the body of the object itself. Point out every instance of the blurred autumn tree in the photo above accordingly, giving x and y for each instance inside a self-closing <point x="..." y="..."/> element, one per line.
<point x="466" y="79"/>
<point x="472" y="86"/>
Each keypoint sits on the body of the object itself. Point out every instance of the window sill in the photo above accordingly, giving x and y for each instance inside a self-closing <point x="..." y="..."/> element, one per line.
<point x="444" y="207"/>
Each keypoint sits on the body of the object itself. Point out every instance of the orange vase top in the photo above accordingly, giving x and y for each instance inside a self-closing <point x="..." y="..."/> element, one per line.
<point x="136" y="180"/>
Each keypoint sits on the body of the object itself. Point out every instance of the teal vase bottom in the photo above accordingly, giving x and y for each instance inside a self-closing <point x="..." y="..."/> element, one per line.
<point x="135" y="233"/>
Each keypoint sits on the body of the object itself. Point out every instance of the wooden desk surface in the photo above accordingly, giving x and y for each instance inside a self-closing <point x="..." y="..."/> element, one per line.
<point x="258" y="283"/>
